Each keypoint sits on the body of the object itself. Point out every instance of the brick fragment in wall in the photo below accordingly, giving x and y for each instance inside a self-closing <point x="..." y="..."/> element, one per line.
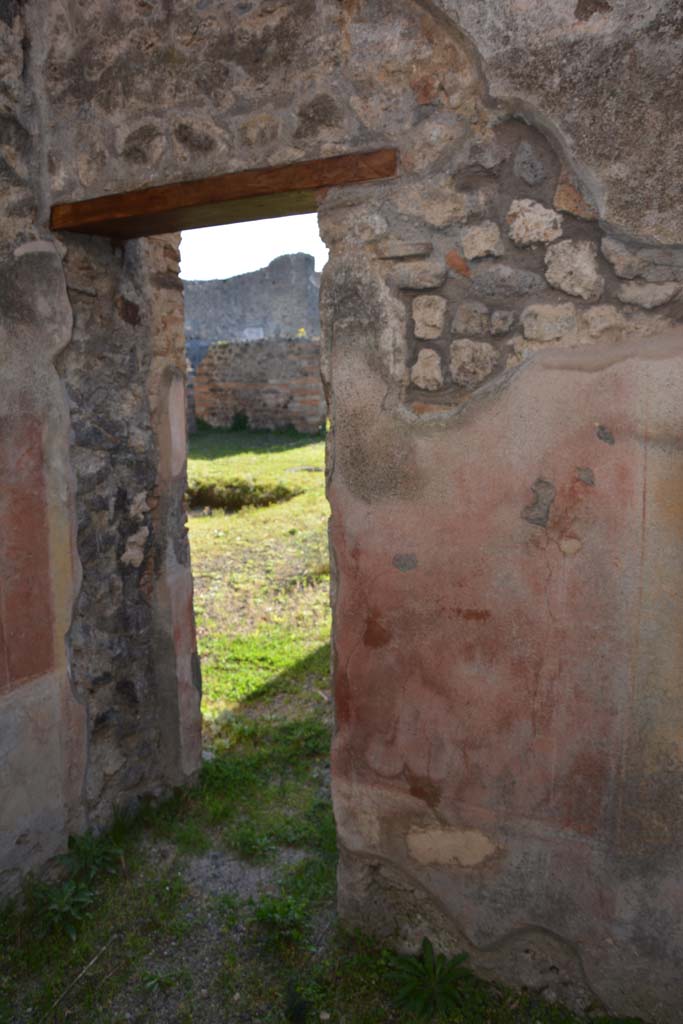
<point x="429" y="314"/>
<point x="530" y="223"/>
<point x="568" y="199"/>
<point x="426" y="373"/>
<point x="457" y="263"/>
<point x="573" y="268"/>
<point x="275" y="383"/>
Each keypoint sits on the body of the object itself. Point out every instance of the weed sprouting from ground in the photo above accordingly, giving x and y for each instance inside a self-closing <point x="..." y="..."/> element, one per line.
<point x="431" y="983"/>
<point x="89" y="855"/>
<point x="63" y="907"/>
<point x="218" y="907"/>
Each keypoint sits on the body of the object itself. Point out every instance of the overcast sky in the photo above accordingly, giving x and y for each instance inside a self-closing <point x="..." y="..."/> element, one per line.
<point x="232" y="249"/>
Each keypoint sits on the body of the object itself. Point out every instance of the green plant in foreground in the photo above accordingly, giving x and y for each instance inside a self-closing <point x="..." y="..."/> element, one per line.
<point x="63" y="907"/>
<point x="282" y="917"/>
<point x="249" y="841"/>
<point x="429" y="983"/>
<point x="157" y="981"/>
<point x="89" y="855"/>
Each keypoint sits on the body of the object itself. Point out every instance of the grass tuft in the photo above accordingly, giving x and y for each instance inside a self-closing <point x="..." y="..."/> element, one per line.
<point x="232" y="495"/>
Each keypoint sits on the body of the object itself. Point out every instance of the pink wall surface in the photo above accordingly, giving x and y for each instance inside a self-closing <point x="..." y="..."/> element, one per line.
<point x="508" y="673"/>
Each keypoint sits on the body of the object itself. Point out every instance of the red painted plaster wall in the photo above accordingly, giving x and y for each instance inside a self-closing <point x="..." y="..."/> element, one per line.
<point x="508" y="689"/>
<point x="26" y="626"/>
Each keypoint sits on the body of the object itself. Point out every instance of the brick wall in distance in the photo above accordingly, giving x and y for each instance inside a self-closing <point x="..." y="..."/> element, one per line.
<point x="274" y="382"/>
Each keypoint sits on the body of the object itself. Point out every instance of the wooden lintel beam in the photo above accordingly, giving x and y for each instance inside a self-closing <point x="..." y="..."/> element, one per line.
<point x="225" y="199"/>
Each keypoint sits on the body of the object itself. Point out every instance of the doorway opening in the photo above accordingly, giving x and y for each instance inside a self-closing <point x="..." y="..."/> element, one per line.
<point x="258" y="513"/>
<point x="258" y="536"/>
<point x="242" y="867"/>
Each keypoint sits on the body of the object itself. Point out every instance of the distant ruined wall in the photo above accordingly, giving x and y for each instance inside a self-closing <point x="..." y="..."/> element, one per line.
<point x="274" y="383"/>
<point x="502" y="354"/>
<point x="275" y="302"/>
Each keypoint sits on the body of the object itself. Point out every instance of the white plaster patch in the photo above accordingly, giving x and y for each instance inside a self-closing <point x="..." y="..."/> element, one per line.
<point x="461" y="847"/>
<point x="28" y="248"/>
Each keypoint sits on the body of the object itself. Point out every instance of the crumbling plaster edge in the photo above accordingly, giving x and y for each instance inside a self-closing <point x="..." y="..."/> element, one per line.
<point x="498" y="945"/>
<point x="596" y="357"/>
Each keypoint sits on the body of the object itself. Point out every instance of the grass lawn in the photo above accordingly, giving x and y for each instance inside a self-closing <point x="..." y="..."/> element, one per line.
<point x="218" y="906"/>
<point x="262" y="574"/>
